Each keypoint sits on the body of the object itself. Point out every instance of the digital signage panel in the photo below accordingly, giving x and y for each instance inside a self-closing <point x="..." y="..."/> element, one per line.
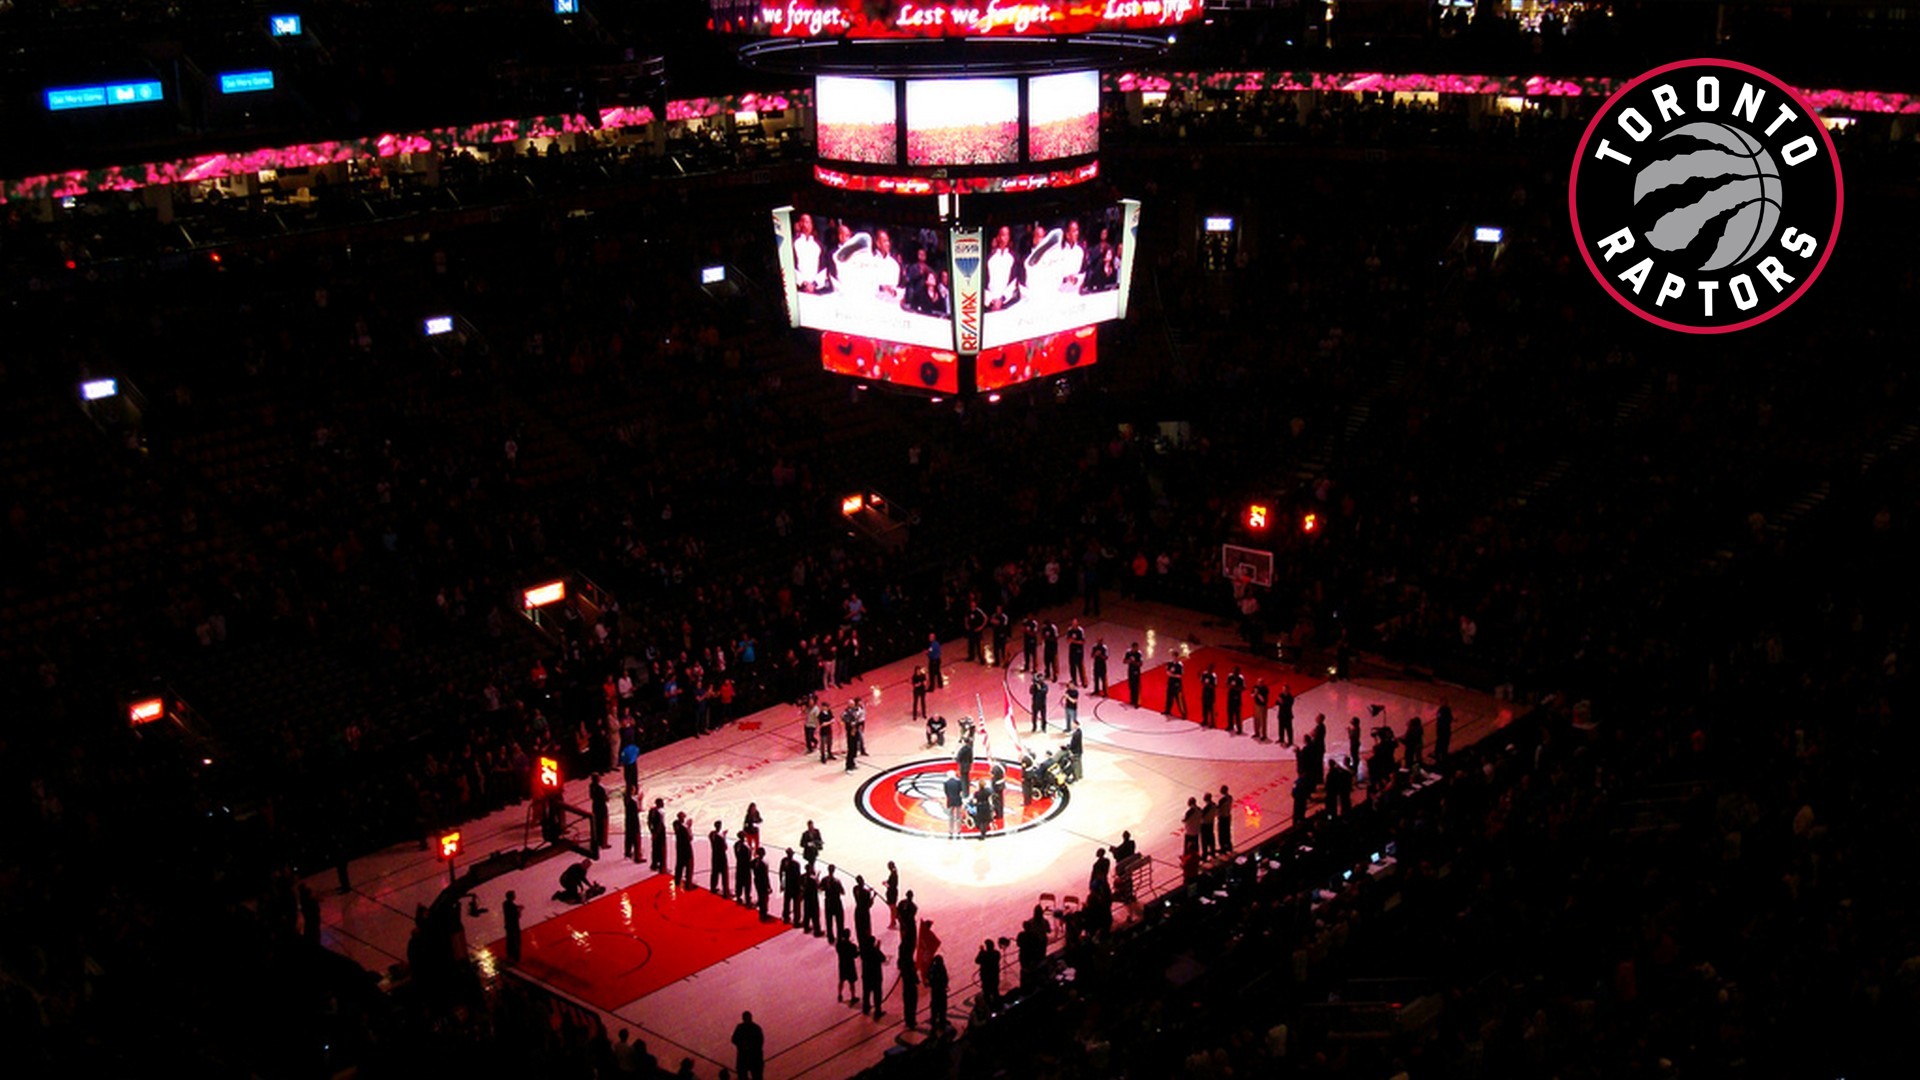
<point x="855" y="120"/>
<point x="1063" y="115"/>
<point x="860" y="19"/>
<point x="963" y="121"/>
<point x="867" y="278"/>
<point x="1056" y="273"/>
<point x="245" y="82"/>
<point x="94" y="97"/>
<point x="1037" y="358"/>
<point x="916" y="366"/>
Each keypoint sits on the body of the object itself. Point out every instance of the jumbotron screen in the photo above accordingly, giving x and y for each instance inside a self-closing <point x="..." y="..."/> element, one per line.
<point x="868" y="19"/>
<point x="855" y="120"/>
<point x="1056" y="273"/>
<point x="867" y="278"/>
<point x="1023" y="361"/>
<point x="1063" y="115"/>
<point x="922" y="368"/>
<point x="963" y="121"/>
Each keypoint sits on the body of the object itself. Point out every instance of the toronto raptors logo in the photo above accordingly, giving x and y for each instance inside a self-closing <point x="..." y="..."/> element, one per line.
<point x="1706" y="196"/>
<point x="912" y="798"/>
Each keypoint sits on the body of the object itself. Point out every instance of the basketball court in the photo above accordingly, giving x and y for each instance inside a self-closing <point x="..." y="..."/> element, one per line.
<point x="676" y="967"/>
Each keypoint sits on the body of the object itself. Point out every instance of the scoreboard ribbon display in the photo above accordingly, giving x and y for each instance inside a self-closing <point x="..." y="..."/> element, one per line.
<point x="964" y="18"/>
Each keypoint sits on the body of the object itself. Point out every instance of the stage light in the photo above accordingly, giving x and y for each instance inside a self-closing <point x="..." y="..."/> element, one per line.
<point x="541" y="595"/>
<point x="146" y="711"/>
<point x="1310" y="523"/>
<point x="95" y="389"/>
<point x="851" y="504"/>
<point x="1256" y="516"/>
<point x="548" y="777"/>
<point x="713" y="275"/>
<point x="439" y="324"/>
<point x="1488" y="234"/>
<point x="449" y="846"/>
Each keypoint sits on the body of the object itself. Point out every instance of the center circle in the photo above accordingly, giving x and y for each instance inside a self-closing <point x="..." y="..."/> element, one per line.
<point x="912" y="799"/>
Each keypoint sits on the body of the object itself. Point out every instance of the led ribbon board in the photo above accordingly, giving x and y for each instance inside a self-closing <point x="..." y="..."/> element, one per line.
<point x="968" y="18"/>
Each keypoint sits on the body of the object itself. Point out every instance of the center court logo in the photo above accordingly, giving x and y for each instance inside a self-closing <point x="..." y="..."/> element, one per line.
<point x="1706" y="196"/>
<point x="912" y="799"/>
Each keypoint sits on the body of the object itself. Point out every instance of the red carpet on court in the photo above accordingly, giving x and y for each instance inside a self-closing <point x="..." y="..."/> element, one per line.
<point x="1153" y="681"/>
<point x="628" y="944"/>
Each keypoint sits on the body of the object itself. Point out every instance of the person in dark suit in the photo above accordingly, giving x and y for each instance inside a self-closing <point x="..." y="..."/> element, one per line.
<point x="742" y="870"/>
<point x="1100" y="666"/>
<point x="1176" y="692"/>
<point x="937" y="994"/>
<point x="762" y="883"/>
<point x="1038" y="720"/>
<point x="790" y="889"/>
<point x="749" y="1049"/>
<point x="811" y="843"/>
<point x="717" y="860"/>
<point x="1076" y="754"/>
<point x="1442" y="733"/>
<point x="1223" y="826"/>
<point x="657" y="832"/>
<point x="630" y="824"/>
<point x="831" y="891"/>
<point x="1029" y="645"/>
<point x="810" y="901"/>
<point x="1209" y="688"/>
<point x="1076" y="654"/>
<point x="873" y="976"/>
<point x="909" y="991"/>
<point x="963" y="760"/>
<point x="988" y="960"/>
<point x="602" y="817"/>
<point x="1236" y="686"/>
<point x="1133" y="660"/>
<point x="848" y="954"/>
<point x="1050" y="649"/>
<point x="682" y="851"/>
<point x="1002" y="630"/>
<point x="511" y="912"/>
<point x="862" y="908"/>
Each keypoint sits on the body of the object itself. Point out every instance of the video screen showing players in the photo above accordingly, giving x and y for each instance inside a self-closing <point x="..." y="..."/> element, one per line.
<point x="963" y="121"/>
<point x="1051" y="275"/>
<point x="854" y="120"/>
<point x="922" y="368"/>
<point x="1063" y="115"/>
<point x="872" y="279"/>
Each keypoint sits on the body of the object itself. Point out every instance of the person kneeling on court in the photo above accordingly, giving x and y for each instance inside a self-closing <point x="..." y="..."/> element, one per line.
<point x="936" y="730"/>
<point x="574" y="886"/>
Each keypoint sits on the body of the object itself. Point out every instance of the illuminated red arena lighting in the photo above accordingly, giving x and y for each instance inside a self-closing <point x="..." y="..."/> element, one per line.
<point x="146" y="711"/>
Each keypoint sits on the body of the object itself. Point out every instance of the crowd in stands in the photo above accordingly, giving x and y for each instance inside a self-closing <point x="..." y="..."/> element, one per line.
<point x="985" y="143"/>
<point x="1070" y="137"/>
<point x="875" y="144"/>
<point x="336" y="514"/>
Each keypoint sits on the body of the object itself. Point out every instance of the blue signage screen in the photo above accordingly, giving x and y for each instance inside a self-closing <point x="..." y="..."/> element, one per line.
<point x="93" y="97"/>
<point x="245" y="82"/>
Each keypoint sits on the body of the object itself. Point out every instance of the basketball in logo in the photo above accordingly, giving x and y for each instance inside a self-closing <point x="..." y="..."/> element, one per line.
<point x="1706" y="196"/>
<point x="912" y="799"/>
